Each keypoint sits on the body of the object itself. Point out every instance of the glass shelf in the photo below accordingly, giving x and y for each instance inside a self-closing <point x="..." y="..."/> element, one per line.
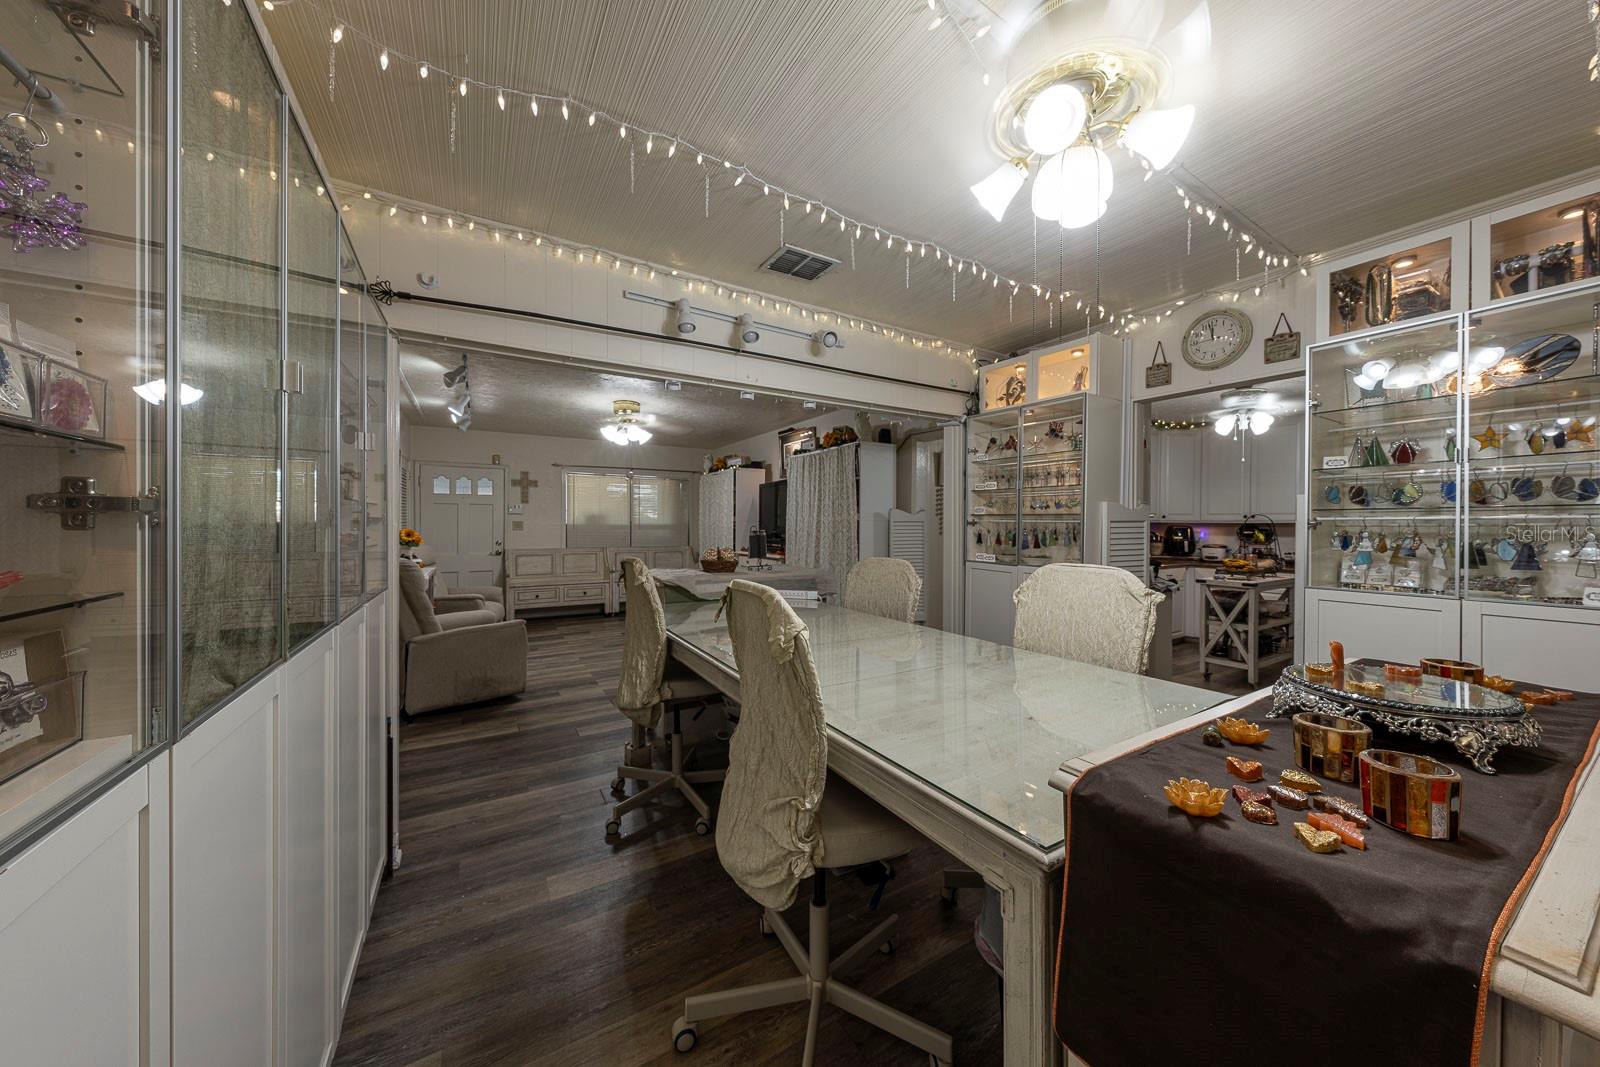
<point x="1539" y="497"/>
<point x="27" y="604"/>
<point x="60" y="438"/>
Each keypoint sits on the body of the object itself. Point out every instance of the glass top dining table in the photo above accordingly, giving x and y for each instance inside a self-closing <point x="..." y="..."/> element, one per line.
<point x="982" y="723"/>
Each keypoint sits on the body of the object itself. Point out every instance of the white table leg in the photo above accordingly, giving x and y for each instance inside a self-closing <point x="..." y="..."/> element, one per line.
<point x="1030" y="969"/>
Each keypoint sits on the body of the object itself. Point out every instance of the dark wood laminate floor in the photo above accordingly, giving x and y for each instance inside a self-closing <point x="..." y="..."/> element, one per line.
<point x="513" y="933"/>
<point x="1186" y="669"/>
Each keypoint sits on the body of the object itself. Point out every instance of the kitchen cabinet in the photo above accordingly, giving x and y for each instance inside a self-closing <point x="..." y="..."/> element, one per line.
<point x="1274" y="463"/>
<point x="1231" y="478"/>
<point x="1225" y="477"/>
<point x="1175" y="474"/>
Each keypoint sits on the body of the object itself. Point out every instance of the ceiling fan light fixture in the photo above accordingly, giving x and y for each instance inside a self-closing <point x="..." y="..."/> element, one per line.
<point x="1261" y="422"/>
<point x="1073" y="187"/>
<point x="1157" y="135"/>
<point x="996" y="192"/>
<point x="1224" y="424"/>
<point x="1054" y="119"/>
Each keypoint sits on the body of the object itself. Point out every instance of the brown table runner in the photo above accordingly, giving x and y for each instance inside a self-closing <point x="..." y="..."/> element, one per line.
<point x="1187" y="940"/>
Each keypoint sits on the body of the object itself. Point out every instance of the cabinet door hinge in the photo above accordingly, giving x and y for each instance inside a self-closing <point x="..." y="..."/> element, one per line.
<point x="293" y="376"/>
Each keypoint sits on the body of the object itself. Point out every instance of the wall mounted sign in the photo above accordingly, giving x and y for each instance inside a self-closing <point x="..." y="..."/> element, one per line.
<point x="1283" y="345"/>
<point x="1159" y="372"/>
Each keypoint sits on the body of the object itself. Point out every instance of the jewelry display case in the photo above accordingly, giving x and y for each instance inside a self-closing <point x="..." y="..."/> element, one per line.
<point x="1033" y="475"/>
<point x="993" y="457"/>
<point x="83" y="397"/>
<point x="1532" y="480"/>
<point x="1384" y="457"/>
<point x="1050" y="513"/>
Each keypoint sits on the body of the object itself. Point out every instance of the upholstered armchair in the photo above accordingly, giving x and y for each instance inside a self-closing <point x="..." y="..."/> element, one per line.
<point x="455" y="657"/>
<point x="447" y="601"/>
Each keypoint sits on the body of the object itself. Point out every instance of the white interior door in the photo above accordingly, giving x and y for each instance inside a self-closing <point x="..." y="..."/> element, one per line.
<point x="461" y="515"/>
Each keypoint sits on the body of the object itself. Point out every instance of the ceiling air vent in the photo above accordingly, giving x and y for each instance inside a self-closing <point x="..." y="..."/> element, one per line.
<point x="798" y="263"/>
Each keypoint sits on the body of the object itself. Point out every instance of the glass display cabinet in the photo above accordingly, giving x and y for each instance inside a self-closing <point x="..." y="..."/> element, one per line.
<point x="1384" y="452"/>
<point x="1050" y="516"/>
<point x="1410" y="283"/>
<point x="993" y="453"/>
<point x="84" y="386"/>
<point x="1532" y="479"/>
<point x="1551" y="243"/>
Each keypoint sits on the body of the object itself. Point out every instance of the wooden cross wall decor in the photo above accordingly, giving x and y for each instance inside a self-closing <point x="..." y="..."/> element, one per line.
<point x="524" y="483"/>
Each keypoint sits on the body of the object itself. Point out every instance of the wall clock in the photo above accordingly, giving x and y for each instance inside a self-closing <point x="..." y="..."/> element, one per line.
<point x="1216" y="339"/>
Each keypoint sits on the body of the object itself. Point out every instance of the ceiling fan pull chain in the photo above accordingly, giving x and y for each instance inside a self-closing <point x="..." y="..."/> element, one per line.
<point x="708" y="194"/>
<point x="1036" y="272"/>
<point x="1188" y="233"/>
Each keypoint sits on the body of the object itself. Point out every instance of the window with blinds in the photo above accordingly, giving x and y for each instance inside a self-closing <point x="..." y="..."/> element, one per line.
<point x="619" y="510"/>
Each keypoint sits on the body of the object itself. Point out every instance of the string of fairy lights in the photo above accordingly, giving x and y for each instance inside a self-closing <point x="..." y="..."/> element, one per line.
<point x="500" y="232"/>
<point x="1256" y="263"/>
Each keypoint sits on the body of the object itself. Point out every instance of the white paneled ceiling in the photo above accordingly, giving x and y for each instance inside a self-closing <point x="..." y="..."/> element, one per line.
<point x="1319" y="124"/>
<point x="554" y="400"/>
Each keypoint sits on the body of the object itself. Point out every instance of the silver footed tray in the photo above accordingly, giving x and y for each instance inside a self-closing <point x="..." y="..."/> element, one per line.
<point x="1477" y="720"/>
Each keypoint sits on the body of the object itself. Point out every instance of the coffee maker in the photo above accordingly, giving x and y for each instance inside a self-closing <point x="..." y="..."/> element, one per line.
<point x="1178" y="541"/>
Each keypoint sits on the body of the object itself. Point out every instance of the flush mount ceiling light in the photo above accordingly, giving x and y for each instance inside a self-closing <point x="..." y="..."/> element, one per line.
<point x="1061" y="119"/>
<point x="626" y="425"/>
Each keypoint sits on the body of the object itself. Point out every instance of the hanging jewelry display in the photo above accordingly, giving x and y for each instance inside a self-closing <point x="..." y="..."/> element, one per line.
<point x="29" y="217"/>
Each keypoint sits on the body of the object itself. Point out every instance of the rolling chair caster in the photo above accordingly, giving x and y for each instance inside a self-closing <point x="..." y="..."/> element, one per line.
<point x="619" y="786"/>
<point x="702" y="827"/>
<point x="887" y="948"/>
<point x="684" y="1036"/>
<point x="613" y="827"/>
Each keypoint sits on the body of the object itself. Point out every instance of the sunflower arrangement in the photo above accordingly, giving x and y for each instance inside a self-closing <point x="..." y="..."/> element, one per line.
<point x="410" y="538"/>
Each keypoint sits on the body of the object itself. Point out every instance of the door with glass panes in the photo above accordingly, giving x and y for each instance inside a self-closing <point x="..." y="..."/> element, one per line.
<point x="461" y="516"/>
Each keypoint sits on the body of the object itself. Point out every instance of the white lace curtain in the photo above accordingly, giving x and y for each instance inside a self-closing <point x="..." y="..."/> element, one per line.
<point x="822" y="518"/>
<point x="716" y="510"/>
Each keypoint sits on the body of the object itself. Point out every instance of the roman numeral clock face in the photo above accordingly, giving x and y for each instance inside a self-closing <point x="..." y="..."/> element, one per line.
<point x="1216" y="339"/>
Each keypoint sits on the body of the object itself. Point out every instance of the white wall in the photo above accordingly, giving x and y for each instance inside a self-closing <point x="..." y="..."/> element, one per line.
<point x="543" y="458"/>
<point x="472" y="266"/>
<point x="1295" y="296"/>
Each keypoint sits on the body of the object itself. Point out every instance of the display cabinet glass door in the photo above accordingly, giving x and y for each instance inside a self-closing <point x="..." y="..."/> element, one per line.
<point x="352" y="430"/>
<point x="377" y="490"/>
<point x="83" y="410"/>
<point x="232" y="298"/>
<point x="1533" y="467"/>
<point x="1050" y="518"/>
<point x="993" y="474"/>
<point x="1384" y="453"/>
<point x="313" y="305"/>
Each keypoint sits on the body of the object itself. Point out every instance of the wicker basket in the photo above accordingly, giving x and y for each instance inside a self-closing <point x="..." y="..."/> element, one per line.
<point x="719" y="566"/>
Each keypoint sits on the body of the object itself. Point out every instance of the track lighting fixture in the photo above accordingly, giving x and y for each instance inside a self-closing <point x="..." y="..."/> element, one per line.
<point x="827" y="339"/>
<point x="748" y="334"/>
<point x="685" y="324"/>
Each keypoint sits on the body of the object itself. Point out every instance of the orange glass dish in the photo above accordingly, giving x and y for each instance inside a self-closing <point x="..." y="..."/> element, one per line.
<point x="1245" y="770"/>
<point x="1195" y="797"/>
<point x="1316" y="840"/>
<point x="1241" y="732"/>
<point x="1348" y="831"/>
<point x="1400" y="672"/>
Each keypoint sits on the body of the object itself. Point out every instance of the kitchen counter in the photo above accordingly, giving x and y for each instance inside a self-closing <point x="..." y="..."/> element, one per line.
<point x="1173" y="563"/>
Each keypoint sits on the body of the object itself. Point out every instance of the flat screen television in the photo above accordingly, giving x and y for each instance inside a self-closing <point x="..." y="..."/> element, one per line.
<point x="774" y="503"/>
